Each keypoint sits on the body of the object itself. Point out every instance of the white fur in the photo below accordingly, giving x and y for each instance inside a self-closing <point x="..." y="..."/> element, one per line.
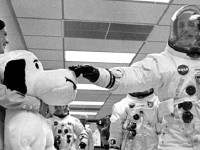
<point x="25" y="130"/>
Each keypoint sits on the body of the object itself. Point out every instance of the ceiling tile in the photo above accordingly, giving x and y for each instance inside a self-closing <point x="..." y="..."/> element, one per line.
<point x="40" y="27"/>
<point x="186" y="2"/>
<point x="5" y="10"/>
<point x="15" y="43"/>
<point x="113" y="11"/>
<point x="52" y="64"/>
<point x="159" y="33"/>
<point x="44" y="42"/>
<point x="95" y="95"/>
<point x="50" y="9"/>
<point x="153" y="47"/>
<point x="48" y="54"/>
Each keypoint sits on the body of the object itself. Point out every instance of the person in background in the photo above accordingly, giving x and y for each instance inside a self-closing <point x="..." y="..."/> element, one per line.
<point x="134" y="122"/>
<point x="105" y="133"/>
<point x="13" y="99"/>
<point x="174" y="74"/>
<point x="83" y="119"/>
<point x="69" y="133"/>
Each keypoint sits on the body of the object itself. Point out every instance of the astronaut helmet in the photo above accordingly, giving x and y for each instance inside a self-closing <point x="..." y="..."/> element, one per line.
<point x="59" y="111"/>
<point x="185" y="31"/>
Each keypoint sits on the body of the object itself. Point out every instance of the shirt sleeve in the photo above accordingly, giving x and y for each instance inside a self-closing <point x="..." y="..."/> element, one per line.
<point x="117" y="119"/>
<point x="15" y="100"/>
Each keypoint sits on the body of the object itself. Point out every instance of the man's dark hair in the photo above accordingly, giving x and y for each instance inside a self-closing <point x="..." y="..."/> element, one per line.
<point x="2" y="24"/>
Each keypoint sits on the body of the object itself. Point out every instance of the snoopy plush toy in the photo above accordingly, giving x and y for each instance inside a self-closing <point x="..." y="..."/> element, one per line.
<point x="22" y="71"/>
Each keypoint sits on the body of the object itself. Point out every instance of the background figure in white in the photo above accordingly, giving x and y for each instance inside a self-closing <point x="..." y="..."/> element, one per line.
<point x="83" y="119"/>
<point x="134" y="122"/>
<point x="69" y="133"/>
<point x="174" y="74"/>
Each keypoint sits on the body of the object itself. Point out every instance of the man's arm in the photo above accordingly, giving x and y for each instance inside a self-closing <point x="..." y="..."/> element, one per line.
<point x="15" y="100"/>
<point x="80" y="132"/>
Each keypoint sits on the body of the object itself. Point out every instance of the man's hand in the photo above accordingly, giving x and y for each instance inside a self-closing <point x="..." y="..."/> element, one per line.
<point x="82" y="145"/>
<point x="89" y="72"/>
<point x="44" y="109"/>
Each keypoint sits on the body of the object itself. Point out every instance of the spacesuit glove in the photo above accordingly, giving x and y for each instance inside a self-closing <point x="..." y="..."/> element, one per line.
<point x="82" y="145"/>
<point x="89" y="72"/>
<point x="44" y="109"/>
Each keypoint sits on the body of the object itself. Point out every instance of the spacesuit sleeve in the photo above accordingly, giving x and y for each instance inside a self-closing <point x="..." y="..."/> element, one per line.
<point x="90" y="139"/>
<point x="141" y="76"/>
<point x="14" y="100"/>
<point x="117" y="119"/>
<point x="80" y="131"/>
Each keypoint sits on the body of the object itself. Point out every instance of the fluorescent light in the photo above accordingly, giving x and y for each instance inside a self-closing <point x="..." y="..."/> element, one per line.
<point x="83" y="113"/>
<point x="86" y="103"/>
<point x="155" y="1"/>
<point x="104" y="57"/>
<point x="89" y="87"/>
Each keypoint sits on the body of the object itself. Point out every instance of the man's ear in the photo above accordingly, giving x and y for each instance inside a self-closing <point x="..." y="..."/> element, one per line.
<point x="14" y="75"/>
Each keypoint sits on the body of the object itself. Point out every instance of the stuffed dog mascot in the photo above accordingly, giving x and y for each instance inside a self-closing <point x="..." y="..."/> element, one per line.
<point x="22" y="71"/>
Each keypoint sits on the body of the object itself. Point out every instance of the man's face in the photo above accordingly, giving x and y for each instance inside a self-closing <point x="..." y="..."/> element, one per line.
<point x="3" y="40"/>
<point x="61" y="110"/>
<point x="187" y="30"/>
<point x="83" y="121"/>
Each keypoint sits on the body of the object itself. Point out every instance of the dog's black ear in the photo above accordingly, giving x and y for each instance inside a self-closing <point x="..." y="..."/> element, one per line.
<point x="14" y="75"/>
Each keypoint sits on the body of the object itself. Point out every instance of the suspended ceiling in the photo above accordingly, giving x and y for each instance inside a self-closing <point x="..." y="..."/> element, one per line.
<point x="48" y="28"/>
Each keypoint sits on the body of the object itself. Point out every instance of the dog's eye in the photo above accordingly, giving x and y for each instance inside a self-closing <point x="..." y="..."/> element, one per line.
<point x="36" y="63"/>
<point x="37" y="66"/>
<point x="66" y="131"/>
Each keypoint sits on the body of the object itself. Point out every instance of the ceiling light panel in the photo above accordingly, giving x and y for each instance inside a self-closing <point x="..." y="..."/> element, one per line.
<point x="86" y="103"/>
<point x="104" y="57"/>
<point x="83" y="113"/>
<point x="89" y="87"/>
<point x="153" y="1"/>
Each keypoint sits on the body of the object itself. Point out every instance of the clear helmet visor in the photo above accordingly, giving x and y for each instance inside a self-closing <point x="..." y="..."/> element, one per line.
<point x="184" y="29"/>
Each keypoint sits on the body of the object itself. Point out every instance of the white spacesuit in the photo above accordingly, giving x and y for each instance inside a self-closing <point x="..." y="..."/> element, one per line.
<point x="69" y="133"/>
<point x="175" y="76"/>
<point x="83" y="119"/>
<point x="134" y="122"/>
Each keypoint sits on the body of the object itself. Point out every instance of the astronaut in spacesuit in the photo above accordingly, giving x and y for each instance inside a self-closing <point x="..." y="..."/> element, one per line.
<point x="134" y="122"/>
<point x="69" y="133"/>
<point x="174" y="74"/>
